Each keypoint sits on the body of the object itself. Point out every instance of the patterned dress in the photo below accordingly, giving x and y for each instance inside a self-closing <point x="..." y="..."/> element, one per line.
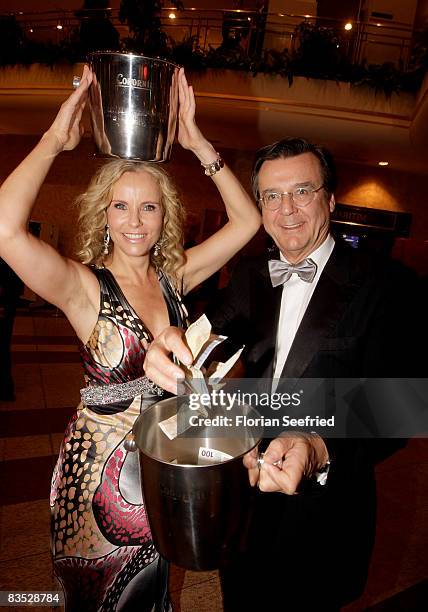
<point x="102" y="546"/>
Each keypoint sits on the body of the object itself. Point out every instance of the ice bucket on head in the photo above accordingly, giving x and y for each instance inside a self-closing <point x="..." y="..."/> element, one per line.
<point x="133" y="103"/>
<point x="197" y="513"/>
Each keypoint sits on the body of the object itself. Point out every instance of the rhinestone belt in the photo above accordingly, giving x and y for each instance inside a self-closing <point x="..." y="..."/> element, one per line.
<point x="109" y="394"/>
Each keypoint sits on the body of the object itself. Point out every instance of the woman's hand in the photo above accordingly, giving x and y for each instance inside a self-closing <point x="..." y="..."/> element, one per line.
<point x="67" y="128"/>
<point x="189" y="135"/>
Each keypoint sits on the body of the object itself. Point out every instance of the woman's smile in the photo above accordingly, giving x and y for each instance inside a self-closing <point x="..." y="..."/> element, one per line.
<point x="134" y="237"/>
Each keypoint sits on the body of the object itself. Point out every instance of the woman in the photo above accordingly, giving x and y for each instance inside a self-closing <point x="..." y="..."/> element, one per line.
<point x="131" y="230"/>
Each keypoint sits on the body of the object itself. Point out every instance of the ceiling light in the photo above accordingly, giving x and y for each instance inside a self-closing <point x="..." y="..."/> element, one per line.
<point x="59" y="27"/>
<point x="383" y="163"/>
<point x="348" y="26"/>
<point x="378" y="25"/>
<point x="31" y="30"/>
<point x="171" y="15"/>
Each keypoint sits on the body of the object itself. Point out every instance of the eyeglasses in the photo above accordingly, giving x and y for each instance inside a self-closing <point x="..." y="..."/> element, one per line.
<point x="302" y="196"/>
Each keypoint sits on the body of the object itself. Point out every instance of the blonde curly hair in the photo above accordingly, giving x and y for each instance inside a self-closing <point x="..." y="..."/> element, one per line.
<point x="93" y="204"/>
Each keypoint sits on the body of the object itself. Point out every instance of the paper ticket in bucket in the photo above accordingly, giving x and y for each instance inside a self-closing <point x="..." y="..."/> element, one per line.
<point x="207" y="456"/>
<point x="201" y="343"/>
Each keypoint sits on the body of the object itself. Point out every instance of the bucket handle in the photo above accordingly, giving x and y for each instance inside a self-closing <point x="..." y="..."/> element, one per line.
<point x="129" y="443"/>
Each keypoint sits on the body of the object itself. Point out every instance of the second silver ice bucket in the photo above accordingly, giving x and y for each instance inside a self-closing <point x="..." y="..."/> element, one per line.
<point x="133" y="103"/>
<point x="197" y="513"/>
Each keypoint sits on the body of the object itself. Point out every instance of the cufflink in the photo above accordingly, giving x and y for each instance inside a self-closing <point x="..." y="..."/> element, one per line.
<point x="321" y="475"/>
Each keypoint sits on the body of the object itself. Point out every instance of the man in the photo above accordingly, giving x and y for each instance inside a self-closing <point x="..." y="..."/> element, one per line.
<point x="336" y="314"/>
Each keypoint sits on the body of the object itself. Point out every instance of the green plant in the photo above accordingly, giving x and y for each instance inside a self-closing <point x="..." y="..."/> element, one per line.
<point x="384" y="78"/>
<point x="143" y="18"/>
<point x="96" y="31"/>
<point x="187" y="53"/>
<point x="315" y="55"/>
<point x="275" y="62"/>
<point x="12" y="41"/>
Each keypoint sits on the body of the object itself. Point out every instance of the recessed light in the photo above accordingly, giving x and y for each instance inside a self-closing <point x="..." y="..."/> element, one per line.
<point x="383" y="163"/>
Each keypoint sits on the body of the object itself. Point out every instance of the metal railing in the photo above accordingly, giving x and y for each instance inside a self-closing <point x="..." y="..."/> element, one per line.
<point x="376" y="41"/>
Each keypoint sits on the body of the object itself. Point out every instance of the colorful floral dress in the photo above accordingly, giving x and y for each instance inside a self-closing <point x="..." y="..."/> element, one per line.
<point x="102" y="546"/>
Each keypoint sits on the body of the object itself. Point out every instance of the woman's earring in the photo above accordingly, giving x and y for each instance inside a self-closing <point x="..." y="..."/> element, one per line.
<point x="157" y="248"/>
<point x="106" y="240"/>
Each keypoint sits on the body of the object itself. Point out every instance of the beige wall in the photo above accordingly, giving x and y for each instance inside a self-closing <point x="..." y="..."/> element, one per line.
<point x="403" y="11"/>
<point x="387" y="189"/>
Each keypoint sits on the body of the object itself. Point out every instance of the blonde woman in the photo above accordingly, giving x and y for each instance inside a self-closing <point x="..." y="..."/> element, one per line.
<point x="122" y="294"/>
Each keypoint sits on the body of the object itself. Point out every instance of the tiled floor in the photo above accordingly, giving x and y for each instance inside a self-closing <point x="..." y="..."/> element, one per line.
<point x="48" y="378"/>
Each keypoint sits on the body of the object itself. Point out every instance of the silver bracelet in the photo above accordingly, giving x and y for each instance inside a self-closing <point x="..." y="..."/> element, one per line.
<point x="213" y="167"/>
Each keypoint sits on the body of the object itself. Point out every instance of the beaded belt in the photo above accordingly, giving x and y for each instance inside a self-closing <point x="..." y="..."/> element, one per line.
<point x="109" y="394"/>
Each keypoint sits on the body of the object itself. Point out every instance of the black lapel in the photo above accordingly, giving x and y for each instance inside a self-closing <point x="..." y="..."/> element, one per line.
<point x="264" y="311"/>
<point x="329" y="300"/>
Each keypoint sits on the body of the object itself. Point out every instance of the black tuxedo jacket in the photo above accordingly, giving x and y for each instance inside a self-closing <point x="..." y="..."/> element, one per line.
<point x="362" y="321"/>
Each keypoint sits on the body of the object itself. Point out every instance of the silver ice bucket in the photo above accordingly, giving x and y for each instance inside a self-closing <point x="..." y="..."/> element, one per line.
<point x="133" y="103"/>
<point x="197" y="513"/>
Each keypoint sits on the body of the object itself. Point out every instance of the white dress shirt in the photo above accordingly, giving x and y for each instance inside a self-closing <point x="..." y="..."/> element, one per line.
<point x="295" y="298"/>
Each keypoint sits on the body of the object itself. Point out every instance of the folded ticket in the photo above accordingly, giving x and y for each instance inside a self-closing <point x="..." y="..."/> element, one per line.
<point x="219" y="370"/>
<point x="201" y="343"/>
<point x="169" y="427"/>
<point x="197" y="334"/>
<point x="211" y="455"/>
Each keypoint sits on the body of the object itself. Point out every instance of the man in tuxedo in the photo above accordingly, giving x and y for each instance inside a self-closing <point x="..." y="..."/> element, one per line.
<point x="314" y="308"/>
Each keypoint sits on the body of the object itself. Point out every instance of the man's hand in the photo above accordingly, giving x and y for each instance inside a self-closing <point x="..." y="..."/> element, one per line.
<point x="158" y="365"/>
<point x="301" y="454"/>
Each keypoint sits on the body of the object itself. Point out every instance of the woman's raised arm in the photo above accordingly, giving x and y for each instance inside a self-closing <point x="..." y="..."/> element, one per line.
<point x="243" y="216"/>
<point x="55" y="278"/>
